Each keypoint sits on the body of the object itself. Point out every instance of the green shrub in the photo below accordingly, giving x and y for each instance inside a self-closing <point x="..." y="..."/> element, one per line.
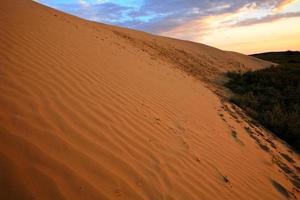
<point x="271" y="96"/>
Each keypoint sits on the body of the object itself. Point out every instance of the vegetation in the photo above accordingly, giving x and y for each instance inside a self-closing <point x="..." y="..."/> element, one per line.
<point x="272" y="95"/>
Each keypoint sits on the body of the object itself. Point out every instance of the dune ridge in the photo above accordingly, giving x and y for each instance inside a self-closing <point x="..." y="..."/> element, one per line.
<point x="91" y="111"/>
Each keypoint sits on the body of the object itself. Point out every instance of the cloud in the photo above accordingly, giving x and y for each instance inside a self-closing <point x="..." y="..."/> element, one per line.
<point x="268" y="18"/>
<point x="281" y="5"/>
<point x="83" y="3"/>
<point x="158" y="16"/>
<point x="102" y="11"/>
<point x="248" y="15"/>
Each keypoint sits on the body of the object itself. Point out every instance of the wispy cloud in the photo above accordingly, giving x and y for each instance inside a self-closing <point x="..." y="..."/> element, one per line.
<point x="281" y="5"/>
<point x="161" y="16"/>
<point x="268" y="18"/>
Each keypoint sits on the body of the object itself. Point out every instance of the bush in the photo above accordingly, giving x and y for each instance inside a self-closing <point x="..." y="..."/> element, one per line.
<point x="271" y="96"/>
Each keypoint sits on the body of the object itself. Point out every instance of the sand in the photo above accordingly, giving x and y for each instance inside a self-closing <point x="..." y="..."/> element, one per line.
<point x="91" y="111"/>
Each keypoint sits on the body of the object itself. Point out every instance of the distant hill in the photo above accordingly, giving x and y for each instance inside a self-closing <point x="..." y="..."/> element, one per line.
<point x="286" y="57"/>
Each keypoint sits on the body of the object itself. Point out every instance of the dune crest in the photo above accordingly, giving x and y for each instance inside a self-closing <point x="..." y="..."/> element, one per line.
<point x="91" y="111"/>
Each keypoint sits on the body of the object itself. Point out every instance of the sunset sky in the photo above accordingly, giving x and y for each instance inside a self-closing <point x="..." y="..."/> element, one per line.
<point x="239" y="25"/>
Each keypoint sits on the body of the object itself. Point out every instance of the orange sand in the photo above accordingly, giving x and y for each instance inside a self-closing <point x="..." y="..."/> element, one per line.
<point x="91" y="111"/>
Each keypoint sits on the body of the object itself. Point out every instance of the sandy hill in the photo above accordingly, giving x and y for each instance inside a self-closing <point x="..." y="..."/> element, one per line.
<point x="91" y="111"/>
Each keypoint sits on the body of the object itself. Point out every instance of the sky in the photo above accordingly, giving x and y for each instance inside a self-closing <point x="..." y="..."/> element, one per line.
<point x="246" y="26"/>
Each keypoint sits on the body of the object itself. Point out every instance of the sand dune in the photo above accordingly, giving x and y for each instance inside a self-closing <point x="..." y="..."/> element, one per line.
<point x="91" y="111"/>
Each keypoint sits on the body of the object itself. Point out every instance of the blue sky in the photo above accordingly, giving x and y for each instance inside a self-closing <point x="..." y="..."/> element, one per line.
<point x="193" y="20"/>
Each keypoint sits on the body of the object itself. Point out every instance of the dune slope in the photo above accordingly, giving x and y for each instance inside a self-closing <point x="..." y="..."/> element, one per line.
<point x="91" y="111"/>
